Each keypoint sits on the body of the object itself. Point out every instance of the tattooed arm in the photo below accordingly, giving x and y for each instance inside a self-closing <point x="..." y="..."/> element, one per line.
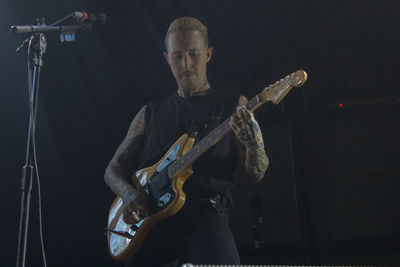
<point x="250" y="144"/>
<point x="117" y="175"/>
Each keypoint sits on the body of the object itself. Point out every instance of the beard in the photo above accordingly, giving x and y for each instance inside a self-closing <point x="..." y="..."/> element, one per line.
<point x="187" y="83"/>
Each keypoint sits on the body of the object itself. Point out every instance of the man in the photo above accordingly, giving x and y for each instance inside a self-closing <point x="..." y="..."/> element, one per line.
<point x="199" y="232"/>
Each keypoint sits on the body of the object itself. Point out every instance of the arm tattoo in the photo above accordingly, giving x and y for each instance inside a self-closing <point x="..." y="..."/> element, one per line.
<point x="131" y="144"/>
<point x="253" y="159"/>
<point x="120" y="168"/>
<point x="256" y="159"/>
<point x="251" y="145"/>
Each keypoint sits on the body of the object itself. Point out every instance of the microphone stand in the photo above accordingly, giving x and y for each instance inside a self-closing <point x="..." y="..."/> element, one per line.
<point x="39" y="46"/>
<point x="39" y="42"/>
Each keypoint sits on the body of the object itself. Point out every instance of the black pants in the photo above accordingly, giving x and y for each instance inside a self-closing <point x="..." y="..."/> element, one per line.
<point x="198" y="234"/>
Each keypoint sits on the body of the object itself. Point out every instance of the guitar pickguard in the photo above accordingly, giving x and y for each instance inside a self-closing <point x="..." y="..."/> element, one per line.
<point x="158" y="188"/>
<point x="159" y="191"/>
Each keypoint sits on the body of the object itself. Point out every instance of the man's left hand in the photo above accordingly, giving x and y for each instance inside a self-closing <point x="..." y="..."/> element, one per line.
<point x="246" y="127"/>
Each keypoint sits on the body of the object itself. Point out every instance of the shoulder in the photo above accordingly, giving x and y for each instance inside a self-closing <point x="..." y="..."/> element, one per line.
<point x="137" y="124"/>
<point x="159" y="103"/>
<point x="232" y="94"/>
<point x="159" y="108"/>
<point x="227" y="95"/>
<point x="225" y="91"/>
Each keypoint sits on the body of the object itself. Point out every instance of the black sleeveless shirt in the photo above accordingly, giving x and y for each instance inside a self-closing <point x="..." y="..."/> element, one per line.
<point x="168" y="119"/>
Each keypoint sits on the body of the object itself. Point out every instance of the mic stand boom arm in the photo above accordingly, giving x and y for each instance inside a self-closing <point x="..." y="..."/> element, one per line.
<point x="45" y="28"/>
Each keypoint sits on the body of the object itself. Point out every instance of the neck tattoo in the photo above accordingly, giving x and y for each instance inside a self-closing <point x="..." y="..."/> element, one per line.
<point x="201" y="89"/>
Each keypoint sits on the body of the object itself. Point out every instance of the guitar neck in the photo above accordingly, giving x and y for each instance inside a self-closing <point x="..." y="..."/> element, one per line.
<point x="207" y="142"/>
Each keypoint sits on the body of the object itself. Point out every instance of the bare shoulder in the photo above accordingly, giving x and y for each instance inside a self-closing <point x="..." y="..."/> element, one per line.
<point x="137" y="126"/>
<point x="135" y="134"/>
<point x="133" y="139"/>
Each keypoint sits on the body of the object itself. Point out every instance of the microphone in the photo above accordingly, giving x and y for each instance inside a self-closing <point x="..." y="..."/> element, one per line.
<point x="99" y="19"/>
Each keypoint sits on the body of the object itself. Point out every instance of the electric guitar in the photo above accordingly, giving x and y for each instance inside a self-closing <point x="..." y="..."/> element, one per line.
<point x="162" y="183"/>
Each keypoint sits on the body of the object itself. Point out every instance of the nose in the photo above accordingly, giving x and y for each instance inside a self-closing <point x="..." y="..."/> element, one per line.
<point x="187" y="61"/>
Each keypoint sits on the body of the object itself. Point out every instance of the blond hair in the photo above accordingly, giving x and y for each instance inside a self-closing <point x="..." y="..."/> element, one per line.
<point x="186" y="24"/>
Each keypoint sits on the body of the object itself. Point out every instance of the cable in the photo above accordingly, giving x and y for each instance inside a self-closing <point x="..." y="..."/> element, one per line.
<point x="39" y="199"/>
<point x="61" y="20"/>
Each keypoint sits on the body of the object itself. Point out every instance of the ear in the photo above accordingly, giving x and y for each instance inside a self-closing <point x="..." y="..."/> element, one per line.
<point x="166" y="56"/>
<point x="209" y="53"/>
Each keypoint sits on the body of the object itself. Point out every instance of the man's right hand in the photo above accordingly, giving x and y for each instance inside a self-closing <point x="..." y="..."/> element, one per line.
<point x="134" y="206"/>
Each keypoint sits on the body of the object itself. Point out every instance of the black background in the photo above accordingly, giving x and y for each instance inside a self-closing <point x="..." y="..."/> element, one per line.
<point x="331" y="195"/>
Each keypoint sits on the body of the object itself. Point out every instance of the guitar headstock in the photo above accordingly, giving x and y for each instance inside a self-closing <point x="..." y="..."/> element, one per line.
<point x="277" y="91"/>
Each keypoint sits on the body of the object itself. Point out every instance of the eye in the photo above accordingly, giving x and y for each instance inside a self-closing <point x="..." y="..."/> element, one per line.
<point x="194" y="53"/>
<point x="177" y="56"/>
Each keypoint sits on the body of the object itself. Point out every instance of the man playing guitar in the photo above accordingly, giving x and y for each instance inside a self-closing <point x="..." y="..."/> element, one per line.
<point x="199" y="232"/>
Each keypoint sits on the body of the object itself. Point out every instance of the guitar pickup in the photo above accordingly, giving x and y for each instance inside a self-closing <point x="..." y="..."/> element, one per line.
<point x="164" y="199"/>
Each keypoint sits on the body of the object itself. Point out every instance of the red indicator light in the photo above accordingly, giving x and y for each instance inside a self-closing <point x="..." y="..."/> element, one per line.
<point x="340" y="105"/>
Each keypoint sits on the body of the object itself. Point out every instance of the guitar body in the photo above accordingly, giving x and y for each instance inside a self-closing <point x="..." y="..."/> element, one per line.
<point x="165" y="201"/>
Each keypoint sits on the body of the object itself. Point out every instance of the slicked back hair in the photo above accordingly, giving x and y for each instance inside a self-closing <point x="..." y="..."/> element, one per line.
<point x="186" y="24"/>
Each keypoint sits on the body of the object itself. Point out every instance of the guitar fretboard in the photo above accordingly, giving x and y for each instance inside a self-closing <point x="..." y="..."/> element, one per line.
<point x="207" y="142"/>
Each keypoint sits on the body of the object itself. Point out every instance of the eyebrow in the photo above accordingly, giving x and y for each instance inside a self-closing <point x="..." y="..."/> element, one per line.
<point x="191" y="50"/>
